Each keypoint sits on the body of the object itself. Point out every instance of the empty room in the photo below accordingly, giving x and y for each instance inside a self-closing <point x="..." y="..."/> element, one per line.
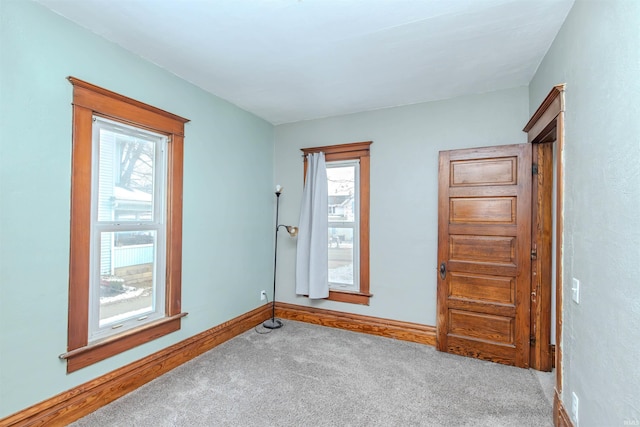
<point x="329" y="212"/>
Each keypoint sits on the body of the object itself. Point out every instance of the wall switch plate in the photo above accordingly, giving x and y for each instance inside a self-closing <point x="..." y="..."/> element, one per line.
<point x="263" y="295"/>
<point x="574" y="408"/>
<point x="575" y="291"/>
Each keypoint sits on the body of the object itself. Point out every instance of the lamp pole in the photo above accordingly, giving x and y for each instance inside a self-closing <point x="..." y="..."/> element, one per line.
<point x="274" y="323"/>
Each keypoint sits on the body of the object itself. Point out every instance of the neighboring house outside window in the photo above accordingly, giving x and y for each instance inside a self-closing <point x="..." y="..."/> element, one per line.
<point x="348" y="211"/>
<point x="126" y="225"/>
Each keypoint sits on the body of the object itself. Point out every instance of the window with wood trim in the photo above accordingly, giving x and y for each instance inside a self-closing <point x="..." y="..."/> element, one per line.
<point x="126" y="225"/>
<point x="348" y="196"/>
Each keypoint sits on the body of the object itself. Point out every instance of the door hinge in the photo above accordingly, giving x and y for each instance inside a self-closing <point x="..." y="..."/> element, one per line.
<point x="534" y="169"/>
<point x="532" y="340"/>
<point x="534" y="254"/>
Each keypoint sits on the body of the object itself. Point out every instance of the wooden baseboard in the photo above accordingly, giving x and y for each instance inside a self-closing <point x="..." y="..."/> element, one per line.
<point x="73" y="404"/>
<point x="406" y="331"/>
<point x="560" y="415"/>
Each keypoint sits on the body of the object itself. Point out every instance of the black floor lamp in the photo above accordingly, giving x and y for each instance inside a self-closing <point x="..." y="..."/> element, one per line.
<point x="274" y="323"/>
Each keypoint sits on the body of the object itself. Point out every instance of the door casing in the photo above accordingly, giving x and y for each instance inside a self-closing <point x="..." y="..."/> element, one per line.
<point x="547" y="125"/>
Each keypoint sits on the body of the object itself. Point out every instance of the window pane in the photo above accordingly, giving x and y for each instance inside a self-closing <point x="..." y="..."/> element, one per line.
<point x="341" y="268"/>
<point x="341" y="185"/>
<point x="125" y="175"/>
<point x="127" y="265"/>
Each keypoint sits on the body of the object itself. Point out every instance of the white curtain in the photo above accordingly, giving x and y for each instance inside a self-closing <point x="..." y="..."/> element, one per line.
<point x="312" y="260"/>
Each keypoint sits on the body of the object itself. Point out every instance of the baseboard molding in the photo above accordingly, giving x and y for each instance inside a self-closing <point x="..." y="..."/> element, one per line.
<point x="406" y="331"/>
<point x="560" y="415"/>
<point x="73" y="404"/>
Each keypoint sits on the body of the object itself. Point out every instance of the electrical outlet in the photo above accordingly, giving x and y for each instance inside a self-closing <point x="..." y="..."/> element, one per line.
<point x="263" y="295"/>
<point x="575" y="291"/>
<point x="574" y="408"/>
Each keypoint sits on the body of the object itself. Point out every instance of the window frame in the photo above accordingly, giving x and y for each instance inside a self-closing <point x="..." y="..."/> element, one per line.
<point x="89" y="101"/>
<point x="353" y="151"/>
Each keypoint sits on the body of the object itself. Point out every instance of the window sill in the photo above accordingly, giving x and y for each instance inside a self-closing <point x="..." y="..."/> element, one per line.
<point x="84" y="356"/>
<point x="349" y="297"/>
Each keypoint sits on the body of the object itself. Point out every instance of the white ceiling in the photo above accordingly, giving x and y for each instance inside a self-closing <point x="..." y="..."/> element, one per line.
<point x="292" y="60"/>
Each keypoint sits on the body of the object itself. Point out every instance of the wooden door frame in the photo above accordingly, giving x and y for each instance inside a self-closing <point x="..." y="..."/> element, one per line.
<point x="540" y="357"/>
<point x="547" y="126"/>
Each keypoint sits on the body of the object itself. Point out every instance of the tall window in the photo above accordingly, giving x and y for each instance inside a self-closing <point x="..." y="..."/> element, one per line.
<point x="127" y="284"/>
<point x="344" y="227"/>
<point x="126" y="225"/>
<point x="348" y="201"/>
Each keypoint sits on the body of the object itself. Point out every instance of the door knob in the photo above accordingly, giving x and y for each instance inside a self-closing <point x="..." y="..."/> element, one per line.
<point x="443" y="271"/>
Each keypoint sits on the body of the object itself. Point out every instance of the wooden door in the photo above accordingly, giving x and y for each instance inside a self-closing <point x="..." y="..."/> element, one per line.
<point x="484" y="244"/>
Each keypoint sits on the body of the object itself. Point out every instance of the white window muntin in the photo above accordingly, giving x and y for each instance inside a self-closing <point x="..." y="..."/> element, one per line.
<point x="156" y="224"/>
<point x="354" y="225"/>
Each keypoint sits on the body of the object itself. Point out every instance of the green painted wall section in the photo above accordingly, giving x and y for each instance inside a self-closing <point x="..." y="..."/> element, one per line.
<point x="228" y="198"/>
<point x="597" y="55"/>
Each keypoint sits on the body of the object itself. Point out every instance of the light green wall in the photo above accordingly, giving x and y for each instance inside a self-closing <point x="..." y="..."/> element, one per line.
<point x="404" y="189"/>
<point x="597" y="54"/>
<point x="228" y="199"/>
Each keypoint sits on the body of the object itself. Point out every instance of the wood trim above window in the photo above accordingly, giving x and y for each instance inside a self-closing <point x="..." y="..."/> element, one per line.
<point x="126" y="109"/>
<point x="90" y="100"/>
<point x="354" y="151"/>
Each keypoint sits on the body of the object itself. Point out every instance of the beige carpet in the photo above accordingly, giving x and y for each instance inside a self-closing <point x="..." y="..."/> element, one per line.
<point x="307" y="375"/>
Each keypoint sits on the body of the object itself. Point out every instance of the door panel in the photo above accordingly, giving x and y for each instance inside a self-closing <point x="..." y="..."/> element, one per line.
<point x="482" y="326"/>
<point x="482" y="288"/>
<point x="483" y="211"/>
<point x="484" y="241"/>
<point x="483" y="172"/>
<point x="473" y="249"/>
